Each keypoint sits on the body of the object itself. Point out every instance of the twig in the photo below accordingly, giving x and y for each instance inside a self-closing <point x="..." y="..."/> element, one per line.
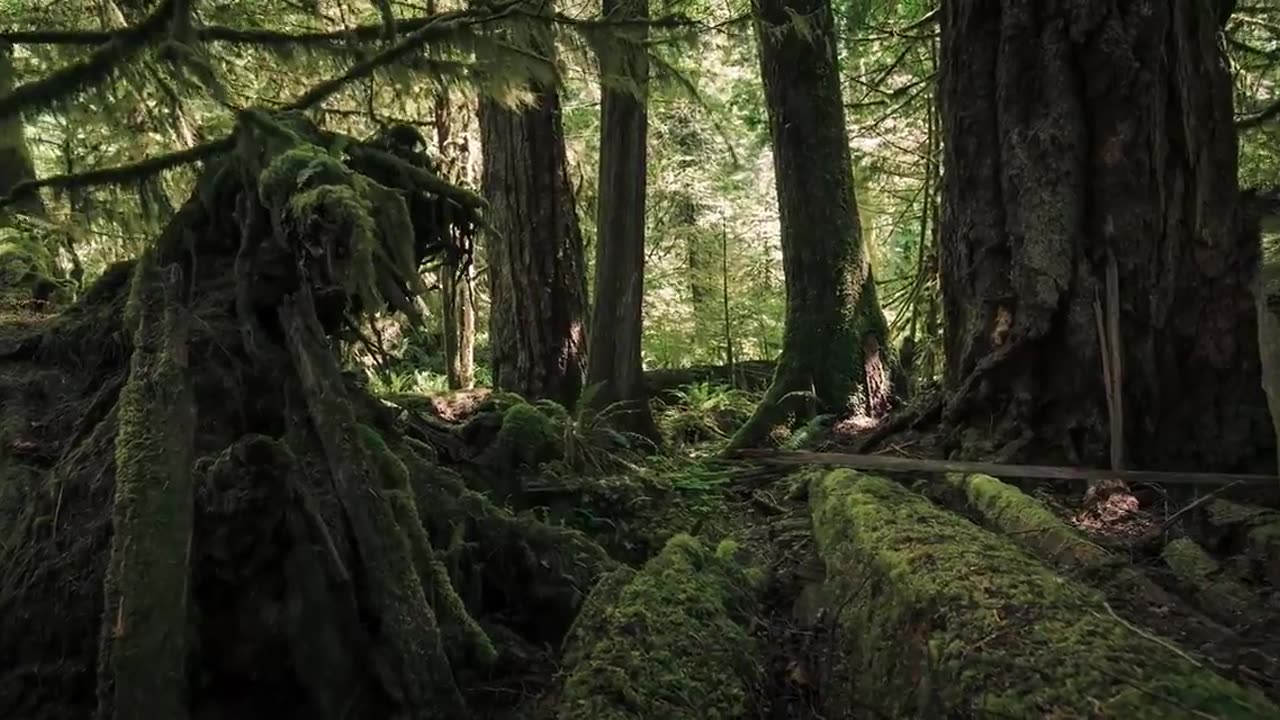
<point x="1139" y="631"/>
<point x="1164" y="527"/>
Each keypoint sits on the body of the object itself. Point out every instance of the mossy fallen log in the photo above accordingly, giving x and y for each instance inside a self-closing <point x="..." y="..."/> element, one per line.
<point x="667" y="641"/>
<point x="938" y="617"/>
<point x="1019" y="515"/>
<point x="1218" y="595"/>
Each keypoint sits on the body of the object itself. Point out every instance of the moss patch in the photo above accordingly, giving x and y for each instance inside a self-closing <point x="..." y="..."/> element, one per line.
<point x="667" y="641"/>
<point x="1219" y="596"/>
<point x="940" y="616"/>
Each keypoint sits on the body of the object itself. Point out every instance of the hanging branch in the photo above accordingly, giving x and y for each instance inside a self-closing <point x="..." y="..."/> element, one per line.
<point x="142" y="169"/>
<point x="121" y="174"/>
<point x="363" y="33"/>
<point x="95" y="68"/>
<point x="414" y="40"/>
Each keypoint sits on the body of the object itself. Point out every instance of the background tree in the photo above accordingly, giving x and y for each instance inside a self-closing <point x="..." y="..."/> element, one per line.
<point x="614" y="360"/>
<point x="537" y="290"/>
<point x="836" y="342"/>
<point x="1089" y="222"/>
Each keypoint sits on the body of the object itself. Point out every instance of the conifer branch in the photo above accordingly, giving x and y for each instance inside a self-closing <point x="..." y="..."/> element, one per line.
<point x="98" y="66"/>
<point x="439" y="25"/>
<point x="362" y="33"/>
<point x="121" y="174"/>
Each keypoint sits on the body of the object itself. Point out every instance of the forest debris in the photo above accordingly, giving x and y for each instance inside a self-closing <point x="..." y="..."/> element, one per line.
<point x="667" y="641"/>
<point x="941" y="617"/>
<point x="144" y="645"/>
<point x="887" y="463"/>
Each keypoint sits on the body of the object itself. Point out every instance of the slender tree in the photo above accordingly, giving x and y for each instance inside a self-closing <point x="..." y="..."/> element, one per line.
<point x="536" y="282"/>
<point x="614" y="360"/>
<point x="1095" y="269"/>
<point x="835" y="345"/>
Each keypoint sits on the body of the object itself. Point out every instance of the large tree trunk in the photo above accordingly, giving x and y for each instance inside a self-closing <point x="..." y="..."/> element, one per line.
<point x="613" y="360"/>
<point x="15" y="158"/>
<point x="835" y="344"/>
<point x="536" y="286"/>
<point x="1076" y="133"/>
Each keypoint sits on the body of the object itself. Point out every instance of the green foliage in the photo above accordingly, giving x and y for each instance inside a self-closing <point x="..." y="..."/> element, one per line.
<point x="704" y="412"/>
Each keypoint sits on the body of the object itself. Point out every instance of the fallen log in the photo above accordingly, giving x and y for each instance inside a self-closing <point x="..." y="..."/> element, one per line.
<point x="748" y="375"/>
<point x="890" y="463"/>
<point x="1020" y="516"/>
<point x="936" y="617"/>
<point x="667" y="641"/>
<point x="1218" y="595"/>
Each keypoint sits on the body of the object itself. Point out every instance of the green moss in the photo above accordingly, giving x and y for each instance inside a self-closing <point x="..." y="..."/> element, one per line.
<point x="937" y="614"/>
<point x="1027" y="520"/>
<point x="147" y="582"/>
<point x="1189" y="560"/>
<point x="463" y="638"/>
<point x="1216" y="594"/>
<point x="527" y="437"/>
<point x="1225" y="512"/>
<point x="667" y="641"/>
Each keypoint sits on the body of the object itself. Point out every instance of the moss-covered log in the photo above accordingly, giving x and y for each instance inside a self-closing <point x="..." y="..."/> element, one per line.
<point x="938" y="617"/>
<point x="1217" y="594"/>
<point x="667" y="641"/>
<point x="1030" y="522"/>
<point x="144" y="645"/>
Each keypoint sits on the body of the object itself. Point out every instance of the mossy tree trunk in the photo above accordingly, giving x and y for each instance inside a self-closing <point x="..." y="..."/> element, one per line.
<point x="1075" y="134"/>
<point x="537" y="289"/>
<point x="15" y="156"/>
<point x="835" y="344"/>
<point x="613" y="360"/>
<point x="143" y="651"/>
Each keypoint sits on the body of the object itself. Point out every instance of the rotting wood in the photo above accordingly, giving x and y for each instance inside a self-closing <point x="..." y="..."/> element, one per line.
<point x="888" y="463"/>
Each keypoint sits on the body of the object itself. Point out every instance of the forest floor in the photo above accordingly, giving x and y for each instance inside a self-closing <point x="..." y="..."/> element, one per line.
<point x="837" y="595"/>
<point x="1220" y="610"/>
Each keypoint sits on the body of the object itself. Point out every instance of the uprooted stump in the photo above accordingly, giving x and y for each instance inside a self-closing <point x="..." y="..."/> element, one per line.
<point x="668" y="640"/>
<point x="202" y="516"/>
<point x="937" y="617"/>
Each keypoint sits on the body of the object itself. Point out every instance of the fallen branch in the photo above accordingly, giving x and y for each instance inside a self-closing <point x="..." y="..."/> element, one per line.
<point x="886" y="463"/>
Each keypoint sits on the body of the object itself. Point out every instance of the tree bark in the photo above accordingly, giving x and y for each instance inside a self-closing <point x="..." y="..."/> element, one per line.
<point x="536" y="282"/>
<point x="836" y="343"/>
<point x="15" y="157"/>
<point x="1074" y="132"/>
<point x="613" y="360"/>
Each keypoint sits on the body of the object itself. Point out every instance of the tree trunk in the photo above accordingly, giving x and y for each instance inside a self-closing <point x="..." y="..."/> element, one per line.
<point x="1075" y="133"/>
<point x="15" y="158"/>
<point x="536" y="285"/>
<point x="835" y="343"/>
<point x="613" y="359"/>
